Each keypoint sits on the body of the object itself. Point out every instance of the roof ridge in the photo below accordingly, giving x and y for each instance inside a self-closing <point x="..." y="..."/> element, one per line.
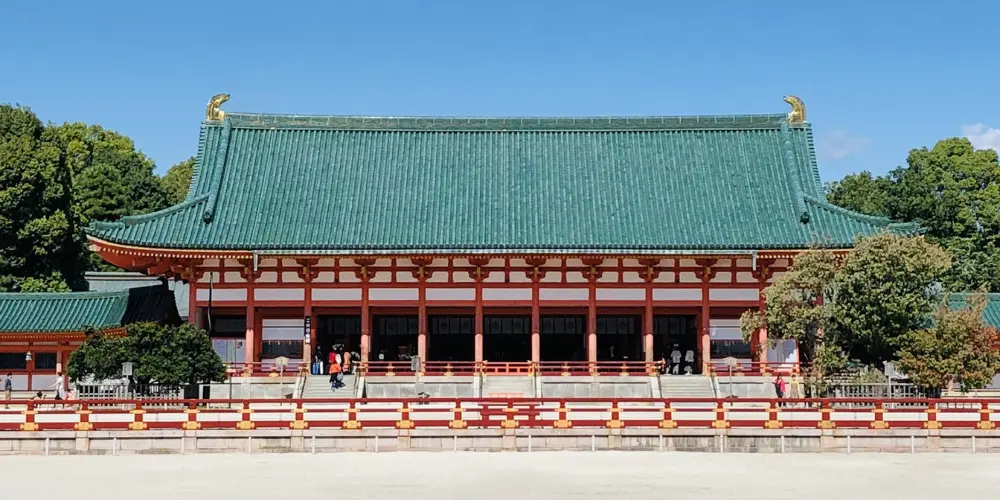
<point x="511" y="123"/>
<point x="908" y="227"/>
<point x="133" y="220"/>
<point x="64" y="295"/>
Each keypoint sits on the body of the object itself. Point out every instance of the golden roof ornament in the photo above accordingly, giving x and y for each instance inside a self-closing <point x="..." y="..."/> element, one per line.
<point x="798" y="112"/>
<point x="214" y="112"/>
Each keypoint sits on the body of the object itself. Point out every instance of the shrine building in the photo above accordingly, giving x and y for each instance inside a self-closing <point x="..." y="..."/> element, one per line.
<point x="38" y="331"/>
<point x="496" y="239"/>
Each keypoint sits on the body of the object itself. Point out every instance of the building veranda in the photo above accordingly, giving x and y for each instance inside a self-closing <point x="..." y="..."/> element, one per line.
<point x="504" y="240"/>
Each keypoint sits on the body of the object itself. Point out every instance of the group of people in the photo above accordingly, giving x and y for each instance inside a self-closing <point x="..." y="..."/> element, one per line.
<point x="339" y="362"/>
<point x="678" y="363"/>
<point x="8" y="389"/>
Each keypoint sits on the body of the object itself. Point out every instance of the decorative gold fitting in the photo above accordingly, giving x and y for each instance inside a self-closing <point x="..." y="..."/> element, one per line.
<point x="29" y="426"/>
<point x="985" y="426"/>
<point x="798" y="112"/>
<point x="213" y="111"/>
<point x="245" y="425"/>
<point x="351" y="424"/>
<point x="191" y="411"/>
<point x="562" y="424"/>
<point x="404" y="424"/>
<point x="614" y="424"/>
<point x="932" y="425"/>
<point x="138" y="412"/>
<point x="773" y="424"/>
<point x="137" y="426"/>
<point x="83" y="426"/>
<point x="880" y="424"/>
<point x="827" y="424"/>
<point x="458" y="424"/>
<point x="720" y="424"/>
<point x="668" y="424"/>
<point x="298" y="425"/>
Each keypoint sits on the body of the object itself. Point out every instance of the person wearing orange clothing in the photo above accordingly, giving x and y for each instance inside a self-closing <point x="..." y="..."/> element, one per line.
<point x="335" y="381"/>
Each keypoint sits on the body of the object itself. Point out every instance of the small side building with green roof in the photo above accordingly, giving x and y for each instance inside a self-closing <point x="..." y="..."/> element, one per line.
<point x="544" y="242"/>
<point x="38" y="331"/>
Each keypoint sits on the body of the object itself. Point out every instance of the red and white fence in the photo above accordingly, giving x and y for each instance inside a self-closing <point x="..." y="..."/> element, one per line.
<point x="501" y="413"/>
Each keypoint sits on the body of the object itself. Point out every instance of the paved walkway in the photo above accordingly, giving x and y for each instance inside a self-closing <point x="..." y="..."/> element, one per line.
<point x="525" y="476"/>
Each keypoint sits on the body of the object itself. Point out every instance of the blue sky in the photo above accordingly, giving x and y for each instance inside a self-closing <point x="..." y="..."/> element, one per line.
<point x="878" y="78"/>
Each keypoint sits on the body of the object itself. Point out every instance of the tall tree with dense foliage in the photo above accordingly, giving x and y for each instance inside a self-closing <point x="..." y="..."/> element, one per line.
<point x="885" y="289"/>
<point x="953" y="190"/>
<point x="862" y="306"/>
<point x="958" y="347"/>
<point x="798" y="307"/>
<point x="178" y="179"/>
<point x="37" y="226"/>
<point x="165" y="355"/>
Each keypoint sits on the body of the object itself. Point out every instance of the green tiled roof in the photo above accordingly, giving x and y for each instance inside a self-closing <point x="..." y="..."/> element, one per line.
<point x="61" y="312"/>
<point x="992" y="313"/>
<point x="334" y="184"/>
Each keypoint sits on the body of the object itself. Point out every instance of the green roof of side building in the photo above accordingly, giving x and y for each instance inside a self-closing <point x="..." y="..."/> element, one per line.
<point x="77" y="311"/>
<point x="991" y="315"/>
<point x="374" y="184"/>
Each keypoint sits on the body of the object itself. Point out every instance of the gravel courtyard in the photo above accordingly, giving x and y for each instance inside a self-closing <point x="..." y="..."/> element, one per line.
<point x="517" y="476"/>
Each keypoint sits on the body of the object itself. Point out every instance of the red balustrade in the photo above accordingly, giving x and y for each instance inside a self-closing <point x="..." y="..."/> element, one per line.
<point x="265" y="369"/>
<point x="616" y="368"/>
<point x="500" y="413"/>
<point x="756" y="368"/>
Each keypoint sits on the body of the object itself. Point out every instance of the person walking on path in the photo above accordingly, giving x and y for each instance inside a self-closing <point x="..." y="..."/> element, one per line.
<point x="779" y="386"/>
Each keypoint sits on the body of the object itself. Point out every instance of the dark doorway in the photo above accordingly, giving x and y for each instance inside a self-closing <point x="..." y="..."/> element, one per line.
<point x="563" y="338"/>
<point x="337" y="330"/>
<point x="675" y="339"/>
<point x="394" y="338"/>
<point x="451" y="338"/>
<point x="619" y="338"/>
<point x="507" y="338"/>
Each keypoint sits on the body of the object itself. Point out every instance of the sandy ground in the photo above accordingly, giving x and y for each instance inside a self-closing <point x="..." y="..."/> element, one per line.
<point x="508" y="476"/>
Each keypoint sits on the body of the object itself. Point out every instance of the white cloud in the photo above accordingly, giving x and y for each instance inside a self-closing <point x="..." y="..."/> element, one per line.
<point x="982" y="137"/>
<point x="840" y="144"/>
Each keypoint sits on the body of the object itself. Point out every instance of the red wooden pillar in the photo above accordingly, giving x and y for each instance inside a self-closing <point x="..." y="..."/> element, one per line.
<point x="760" y="342"/>
<point x="647" y="321"/>
<point x="422" y="323"/>
<point x="706" y="273"/>
<point x="647" y="327"/>
<point x="193" y="301"/>
<point x="307" y="312"/>
<point x="366" y="329"/>
<point x="251" y="333"/>
<point x="479" y="275"/>
<point x="536" y="319"/>
<point x="593" y="275"/>
<point x="366" y="317"/>
<point x="479" y="322"/>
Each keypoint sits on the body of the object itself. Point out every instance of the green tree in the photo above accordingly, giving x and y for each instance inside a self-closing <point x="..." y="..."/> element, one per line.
<point x="169" y="356"/>
<point x="953" y="191"/>
<point x="99" y="194"/>
<point x="957" y="348"/>
<point x="86" y="146"/>
<point x="862" y="192"/>
<point x="884" y="290"/>
<point x="178" y="179"/>
<point x="36" y="222"/>
<point x="51" y="283"/>
<point x="798" y="307"/>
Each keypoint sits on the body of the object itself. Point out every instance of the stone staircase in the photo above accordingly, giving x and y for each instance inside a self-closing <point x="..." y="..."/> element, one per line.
<point x="508" y="386"/>
<point x="687" y="386"/>
<point x="318" y="386"/>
